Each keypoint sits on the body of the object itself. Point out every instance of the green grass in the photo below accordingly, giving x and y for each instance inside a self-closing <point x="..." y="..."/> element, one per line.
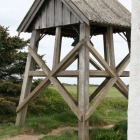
<point x="65" y="135"/>
<point x="113" y="92"/>
<point x="112" y="110"/>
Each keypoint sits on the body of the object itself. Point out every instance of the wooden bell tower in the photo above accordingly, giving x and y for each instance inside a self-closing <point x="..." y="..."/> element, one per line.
<point x="64" y="18"/>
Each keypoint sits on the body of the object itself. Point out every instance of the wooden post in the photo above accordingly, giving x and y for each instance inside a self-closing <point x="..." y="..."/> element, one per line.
<point x="83" y="91"/>
<point x="27" y="81"/>
<point x="57" y="47"/>
<point x="106" y="48"/>
<point x="111" y="47"/>
<point x="128" y="36"/>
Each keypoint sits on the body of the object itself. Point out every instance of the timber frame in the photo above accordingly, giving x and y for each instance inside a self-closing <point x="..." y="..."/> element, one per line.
<point x="75" y="23"/>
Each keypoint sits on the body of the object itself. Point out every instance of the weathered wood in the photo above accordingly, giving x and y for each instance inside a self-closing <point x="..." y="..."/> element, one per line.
<point x="66" y="96"/>
<point x="44" y="17"/>
<point x="57" y="47"/>
<point x="94" y="94"/>
<point x="27" y="81"/>
<point x="106" y="66"/>
<point x="52" y="17"/>
<point x="123" y="64"/>
<point x="70" y="61"/>
<point x="97" y="66"/>
<point x="33" y="15"/>
<point x="58" y="13"/>
<point x="100" y="59"/>
<point x="73" y="73"/>
<point x="103" y="93"/>
<point x="75" y="11"/>
<point x="66" y="15"/>
<point x="111" y="47"/>
<point x="121" y="91"/>
<point x="106" y="48"/>
<point x="83" y="84"/>
<point x="128" y="36"/>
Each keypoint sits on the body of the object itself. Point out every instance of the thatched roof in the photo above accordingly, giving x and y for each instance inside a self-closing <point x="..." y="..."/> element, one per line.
<point x="104" y="12"/>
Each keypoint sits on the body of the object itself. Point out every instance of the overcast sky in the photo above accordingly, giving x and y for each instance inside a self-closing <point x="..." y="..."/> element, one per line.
<point x="13" y="11"/>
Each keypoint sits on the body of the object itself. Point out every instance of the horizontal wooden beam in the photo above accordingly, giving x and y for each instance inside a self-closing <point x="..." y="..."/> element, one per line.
<point x="63" y="92"/>
<point x="75" y="73"/>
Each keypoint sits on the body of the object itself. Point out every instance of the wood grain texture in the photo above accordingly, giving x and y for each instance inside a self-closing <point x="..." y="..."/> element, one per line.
<point x="83" y="83"/>
<point x="27" y="81"/>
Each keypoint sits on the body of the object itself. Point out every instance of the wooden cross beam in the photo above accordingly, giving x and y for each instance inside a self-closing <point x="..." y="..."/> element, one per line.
<point x="66" y="96"/>
<point x="107" y="84"/>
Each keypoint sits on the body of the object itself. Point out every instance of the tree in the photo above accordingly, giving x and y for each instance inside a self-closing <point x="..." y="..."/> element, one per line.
<point x="12" y="65"/>
<point x="12" y="60"/>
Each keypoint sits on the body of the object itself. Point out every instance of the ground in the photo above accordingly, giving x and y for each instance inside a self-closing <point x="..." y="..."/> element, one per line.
<point x="53" y="132"/>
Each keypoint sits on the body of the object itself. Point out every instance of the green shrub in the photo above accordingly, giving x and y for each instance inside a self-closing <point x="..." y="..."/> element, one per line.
<point x="7" y="110"/>
<point x="118" y="104"/>
<point x="48" y="102"/>
<point x="121" y="127"/>
<point x="106" y="134"/>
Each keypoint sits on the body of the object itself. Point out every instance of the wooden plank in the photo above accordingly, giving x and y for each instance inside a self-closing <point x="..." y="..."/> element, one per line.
<point x="123" y="64"/>
<point x="73" y="73"/>
<point x="98" y="67"/>
<point x="103" y="93"/>
<point x="73" y="19"/>
<point x="44" y="84"/>
<point x="48" y="13"/>
<point x="58" y="12"/>
<point x="128" y="36"/>
<point x="121" y="91"/>
<point x="82" y="18"/>
<point x="94" y="94"/>
<point x="44" y="17"/>
<point x="106" y="48"/>
<point x="66" y="15"/>
<point x="27" y="81"/>
<point x="111" y="47"/>
<point x="100" y="59"/>
<point x="33" y="15"/>
<point x="57" y="47"/>
<point x="83" y="84"/>
<point x="69" y="62"/>
<point x="28" y="15"/>
<point x="52" y="17"/>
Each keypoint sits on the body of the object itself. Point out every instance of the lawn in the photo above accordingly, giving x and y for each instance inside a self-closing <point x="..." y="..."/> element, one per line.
<point x="113" y="92"/>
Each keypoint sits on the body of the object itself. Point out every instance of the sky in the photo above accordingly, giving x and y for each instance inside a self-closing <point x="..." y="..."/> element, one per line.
<point x="12" y="13"/>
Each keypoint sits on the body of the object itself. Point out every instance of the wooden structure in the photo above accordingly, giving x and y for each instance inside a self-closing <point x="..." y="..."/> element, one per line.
<point x="69" y="18"/>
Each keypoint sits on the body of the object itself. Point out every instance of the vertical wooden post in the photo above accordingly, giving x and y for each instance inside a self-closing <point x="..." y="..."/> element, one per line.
<point x="128" y="35"/>
<point x="83" y="95"/>
<point x="27" y="81"/>
<point x="106" y="48"/>
<point x="57" y="47"/>
<point x="111" y="47"/>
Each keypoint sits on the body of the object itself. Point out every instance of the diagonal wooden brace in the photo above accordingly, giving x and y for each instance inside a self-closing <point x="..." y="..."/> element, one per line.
<point x="103" y="93"/>
<point x="109" y="84"/>
<point x="106" y="66"/>
<point x="66" y="96"/>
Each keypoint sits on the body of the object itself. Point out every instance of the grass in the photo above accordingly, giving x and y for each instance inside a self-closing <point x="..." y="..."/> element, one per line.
<point x="112" y="110"/>
<point x="113" y="92"/>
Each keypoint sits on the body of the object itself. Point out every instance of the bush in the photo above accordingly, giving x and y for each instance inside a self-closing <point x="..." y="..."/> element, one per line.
<point x="7" y="110"/>
<point x="48" y="102"/>
<point x="105" y="134"/>
<point x="115" y="104"/>
<point x="121" y="127"/>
